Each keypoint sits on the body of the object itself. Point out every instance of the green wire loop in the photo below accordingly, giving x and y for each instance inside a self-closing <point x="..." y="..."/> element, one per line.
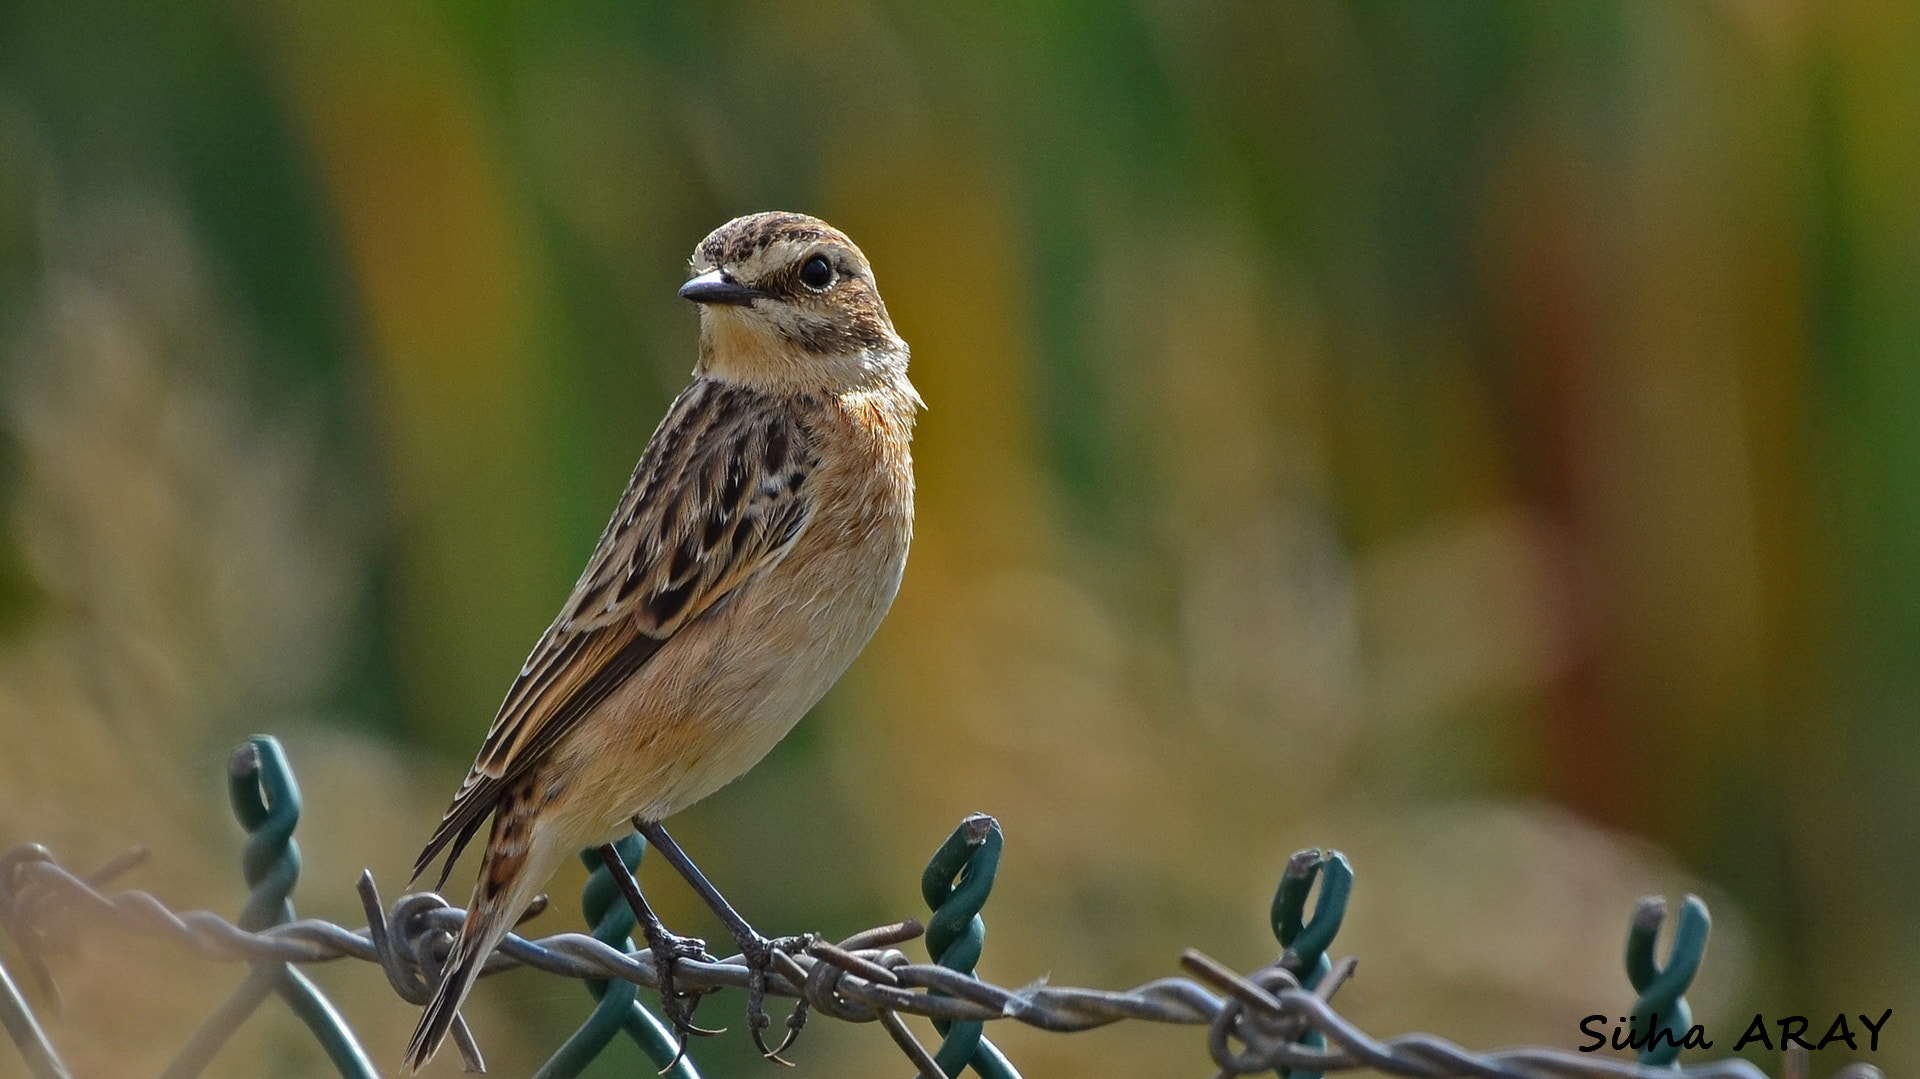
<point x="266" y="800"/>
<point x="619" y="1008"/>
<point x="1662" y="1005"/>
<point x="1305" y="940"/>
<point x="957" y="881"/>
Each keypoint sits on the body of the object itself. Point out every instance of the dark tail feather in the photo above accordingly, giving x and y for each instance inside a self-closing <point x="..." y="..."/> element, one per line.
<point x="463" y="967"/>
<point x="499" y="895"/>
<point x="476" y="801"/>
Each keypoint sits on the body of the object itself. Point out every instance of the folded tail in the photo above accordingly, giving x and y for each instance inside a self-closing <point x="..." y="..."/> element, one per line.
<point x="509" y="878"/>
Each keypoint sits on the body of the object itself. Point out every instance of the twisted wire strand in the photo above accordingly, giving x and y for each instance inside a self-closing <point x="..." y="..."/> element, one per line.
<point x="1662" y="988"/>
<point x="956" y="884"/>
<point x="1254" y="1021"/>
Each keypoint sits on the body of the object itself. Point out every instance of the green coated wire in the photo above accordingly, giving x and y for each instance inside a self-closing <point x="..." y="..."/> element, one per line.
<point x="329" y="1027"/>
<point x="618" y="1008"/>
<point x="1662" y="1005"/>
<point x="266" y="800"/>
<point x="1306" y="940"/>
<point x="956" y="883"/>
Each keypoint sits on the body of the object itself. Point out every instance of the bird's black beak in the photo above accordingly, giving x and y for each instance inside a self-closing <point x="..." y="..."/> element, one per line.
<point x="716" y="287"/>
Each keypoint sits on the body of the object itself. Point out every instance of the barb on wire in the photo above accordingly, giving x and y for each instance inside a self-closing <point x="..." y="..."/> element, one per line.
<point x="1276" y="1018"/>
<point x="409" y="976"/>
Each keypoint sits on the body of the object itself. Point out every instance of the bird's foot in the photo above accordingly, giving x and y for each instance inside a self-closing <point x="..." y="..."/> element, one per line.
<point x="678" y="1007"/>
<point x="759" y="953"/>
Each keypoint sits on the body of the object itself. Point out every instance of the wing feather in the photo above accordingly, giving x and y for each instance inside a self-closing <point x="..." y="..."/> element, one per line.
<point x="719" y="495"/>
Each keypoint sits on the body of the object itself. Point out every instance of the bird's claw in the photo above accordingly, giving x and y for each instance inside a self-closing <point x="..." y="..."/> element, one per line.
<point x="758" y="952"/>
<point x="677" y="1007"/>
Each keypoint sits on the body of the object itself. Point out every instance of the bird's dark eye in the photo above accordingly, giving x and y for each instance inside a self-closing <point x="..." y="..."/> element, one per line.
<point x="816" y="273"/>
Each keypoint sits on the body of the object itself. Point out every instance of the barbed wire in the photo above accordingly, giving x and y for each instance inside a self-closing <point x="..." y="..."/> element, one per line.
<point x="1276" y="1018"/>
<point x="860" y="979"/>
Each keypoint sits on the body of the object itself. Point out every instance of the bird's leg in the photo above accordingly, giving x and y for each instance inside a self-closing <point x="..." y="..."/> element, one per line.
<point x="756" y="949"/>
<point x="668" y="949"/>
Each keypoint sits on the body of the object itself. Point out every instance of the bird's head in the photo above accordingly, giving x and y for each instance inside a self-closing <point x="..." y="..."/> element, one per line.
<point x="787" y="301"/>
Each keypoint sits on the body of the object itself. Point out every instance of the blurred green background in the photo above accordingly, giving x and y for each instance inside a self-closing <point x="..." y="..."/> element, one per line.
<point x="1481" y="437"/>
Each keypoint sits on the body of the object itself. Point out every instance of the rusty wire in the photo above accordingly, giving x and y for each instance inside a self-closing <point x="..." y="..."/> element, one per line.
<point x="1255" y="1022"/>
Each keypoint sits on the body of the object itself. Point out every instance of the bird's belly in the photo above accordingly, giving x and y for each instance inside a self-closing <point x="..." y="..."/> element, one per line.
<point x="727" y="688"/>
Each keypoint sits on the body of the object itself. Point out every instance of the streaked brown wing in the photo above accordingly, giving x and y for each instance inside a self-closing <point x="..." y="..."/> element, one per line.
<point x="719" y="495"/>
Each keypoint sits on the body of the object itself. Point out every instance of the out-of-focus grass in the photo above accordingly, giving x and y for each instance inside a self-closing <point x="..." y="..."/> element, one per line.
<point x="1476" y="436"/>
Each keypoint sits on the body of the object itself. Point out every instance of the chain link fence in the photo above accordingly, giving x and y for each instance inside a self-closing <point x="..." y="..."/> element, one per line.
<point x="1279" y="1018"/>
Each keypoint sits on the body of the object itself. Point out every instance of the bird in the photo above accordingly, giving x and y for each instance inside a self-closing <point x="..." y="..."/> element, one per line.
<point x="756" y="548"/>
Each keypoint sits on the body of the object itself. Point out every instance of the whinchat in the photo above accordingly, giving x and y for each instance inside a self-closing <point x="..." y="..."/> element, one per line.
<point x="757" y="546"/>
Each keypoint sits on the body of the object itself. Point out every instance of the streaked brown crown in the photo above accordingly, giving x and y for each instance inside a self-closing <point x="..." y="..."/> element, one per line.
<point x="743" y="237"/>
